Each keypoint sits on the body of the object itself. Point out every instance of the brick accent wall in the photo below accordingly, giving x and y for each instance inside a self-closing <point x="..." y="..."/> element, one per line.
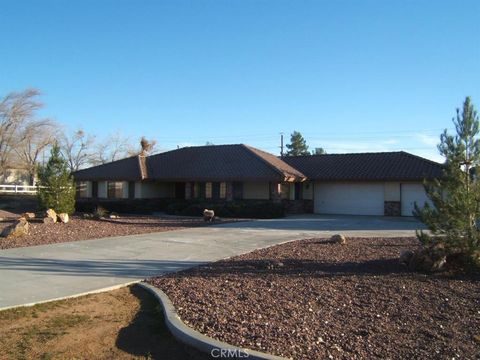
<point x="392" y="208"/>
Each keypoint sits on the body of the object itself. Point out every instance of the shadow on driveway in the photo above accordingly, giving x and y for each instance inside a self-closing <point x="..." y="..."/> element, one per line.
<point x="102" y="268"/>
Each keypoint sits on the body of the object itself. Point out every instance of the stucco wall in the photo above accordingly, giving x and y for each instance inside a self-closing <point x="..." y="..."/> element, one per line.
<point x="307" y="190"/>
<point x="256" y="190"/>
<point x="89" y="189"/>
<point x="102" y="189"/>
<point x="125" y="189"/>
<point x="149" y="190"/>
<point x="392" y="191"/>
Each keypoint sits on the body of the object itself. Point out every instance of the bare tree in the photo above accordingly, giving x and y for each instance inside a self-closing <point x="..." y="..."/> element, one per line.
<point x="114" y="147"/>
<point x="77" y="149"/>
<point x="33" y="139"/>
<point x="16" y="108"/>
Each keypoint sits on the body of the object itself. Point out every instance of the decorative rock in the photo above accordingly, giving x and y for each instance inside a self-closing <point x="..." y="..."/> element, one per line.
<point x="48" y="220"/>
<point x="51" y="214"/>
<point x="28" y="215"/>
<point x="339" y="239"/>
<point x="87" y="216"/>
<point x="19" y="228"/>
<point x="208" y="215"/>
<point x="64" y="218"/>
<point x="428" y="259"/>
<point x="405" y="257"/>
<point x="113" y="216"/>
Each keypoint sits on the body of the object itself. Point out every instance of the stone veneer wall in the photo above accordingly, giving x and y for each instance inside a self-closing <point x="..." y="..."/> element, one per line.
<point x="392" y="208"/>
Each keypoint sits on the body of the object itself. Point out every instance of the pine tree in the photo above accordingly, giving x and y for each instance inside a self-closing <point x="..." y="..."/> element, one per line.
<point x="455" y="214"/>
<point x="298" y="145"/>
<point x="55" y="187"/>
<point x="319" y="151"/>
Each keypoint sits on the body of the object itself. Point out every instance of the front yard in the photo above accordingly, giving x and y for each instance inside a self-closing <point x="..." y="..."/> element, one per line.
<point x="83" y="229"/>
<point x="313" y="299"/>
<point x="120" y="324"/>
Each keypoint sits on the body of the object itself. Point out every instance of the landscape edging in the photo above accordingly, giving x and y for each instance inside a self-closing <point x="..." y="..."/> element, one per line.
<point x="195" y="339"/>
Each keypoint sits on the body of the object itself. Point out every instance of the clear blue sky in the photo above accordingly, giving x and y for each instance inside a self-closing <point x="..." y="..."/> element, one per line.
<point x="349" y="75"/>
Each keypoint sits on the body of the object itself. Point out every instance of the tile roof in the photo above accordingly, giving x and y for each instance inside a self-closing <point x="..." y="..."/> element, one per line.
<point x="219" y="163"/>
<point x="129" y="169"/>
<point x="382" y="166"/>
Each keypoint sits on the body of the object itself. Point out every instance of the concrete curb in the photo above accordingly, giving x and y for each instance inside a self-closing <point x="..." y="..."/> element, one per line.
<point x="97" y="291"/>
<point x="196" y="339"/>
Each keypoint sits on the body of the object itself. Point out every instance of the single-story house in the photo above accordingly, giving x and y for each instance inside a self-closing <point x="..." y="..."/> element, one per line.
<point x="359" y="184"/>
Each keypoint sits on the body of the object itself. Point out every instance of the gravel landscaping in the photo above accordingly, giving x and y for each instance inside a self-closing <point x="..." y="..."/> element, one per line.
<point x="313" y="299"/>
<point x="84" y="229"/>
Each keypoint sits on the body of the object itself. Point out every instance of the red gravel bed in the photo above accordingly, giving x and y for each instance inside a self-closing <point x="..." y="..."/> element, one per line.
<point x="312" y="299"/>
<point x="84" y="229"/>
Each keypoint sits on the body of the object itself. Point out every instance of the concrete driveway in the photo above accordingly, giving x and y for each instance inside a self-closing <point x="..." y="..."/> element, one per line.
<point x="48" y="272"/>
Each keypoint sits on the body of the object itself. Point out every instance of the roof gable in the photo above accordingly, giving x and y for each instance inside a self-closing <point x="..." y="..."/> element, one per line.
<point x="219" y="163"/>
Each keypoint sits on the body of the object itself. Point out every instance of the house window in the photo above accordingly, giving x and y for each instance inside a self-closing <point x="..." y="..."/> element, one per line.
<point x="82" y="191"/>
<point x="115" y="189"/>
<point x="208" y="190"/>
<point x="223" y="190"/>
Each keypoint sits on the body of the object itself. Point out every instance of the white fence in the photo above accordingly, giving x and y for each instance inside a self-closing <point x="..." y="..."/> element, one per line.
<point x="18" y="189"/>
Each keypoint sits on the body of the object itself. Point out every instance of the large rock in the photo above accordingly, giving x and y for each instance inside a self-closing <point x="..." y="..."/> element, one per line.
<point x="28" y="215"/>
<point x="50" y="213"/>
<point x="428" y="259"/>
<point x="63" y="217"/>
<point x="19" y="228"/>
<point x="208" y="215"/>
<point x="339" y="239"/>
<point x="405" y="257"/>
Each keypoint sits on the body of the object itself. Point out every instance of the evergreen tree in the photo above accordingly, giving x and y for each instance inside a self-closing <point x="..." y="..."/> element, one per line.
<point x="298" y="145"/>
<point x="319" y="151"/>
<point x="55" y="187"/>
<point x="454" y="218"/>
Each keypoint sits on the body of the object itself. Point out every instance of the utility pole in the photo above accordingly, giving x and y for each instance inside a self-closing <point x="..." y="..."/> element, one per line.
<point x="281" y="144"/>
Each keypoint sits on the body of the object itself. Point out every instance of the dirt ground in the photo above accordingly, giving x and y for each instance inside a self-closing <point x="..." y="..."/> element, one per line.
<point x="313" y="299"/>
<point x="121" y="324"/>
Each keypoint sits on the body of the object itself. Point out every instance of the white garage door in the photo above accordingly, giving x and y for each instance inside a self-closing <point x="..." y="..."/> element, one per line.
<point x="349" y="198"/>
<point x="412" y="193"/>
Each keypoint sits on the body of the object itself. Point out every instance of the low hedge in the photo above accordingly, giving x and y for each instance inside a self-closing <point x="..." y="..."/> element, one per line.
<point x="125" y="206"/>
<point x="240" y="209"/>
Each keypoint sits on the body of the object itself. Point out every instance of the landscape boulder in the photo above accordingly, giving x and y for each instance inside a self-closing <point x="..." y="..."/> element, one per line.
<point x="63" y="217"/>
<point x="113" y="216"/>
<point x="50" y="214"/>
<point x="28" y="215"/>
<point x="208" y="215"/>
<point x="18" y="228"/>
<point x="427" y="259"/>
<point x="339" y="239"/>
<point x="405" y="257"/>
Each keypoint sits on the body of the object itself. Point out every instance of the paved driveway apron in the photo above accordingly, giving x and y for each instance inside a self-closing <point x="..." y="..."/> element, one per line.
<point x="47" y="272"/>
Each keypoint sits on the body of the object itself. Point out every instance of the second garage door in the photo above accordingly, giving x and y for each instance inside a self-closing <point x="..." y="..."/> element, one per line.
<point x="349" y="198"/>
<point x="411" y="194"/>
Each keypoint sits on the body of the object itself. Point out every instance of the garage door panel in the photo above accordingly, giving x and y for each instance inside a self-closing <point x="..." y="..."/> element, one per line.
<point x="349" y="198"/>
<point x="412" y="193"/>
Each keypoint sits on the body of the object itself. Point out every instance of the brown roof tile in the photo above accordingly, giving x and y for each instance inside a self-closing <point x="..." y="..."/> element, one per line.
<point x="383" y="166"/>
<point x="219" y="163"/>
<point x="128" y="169"/>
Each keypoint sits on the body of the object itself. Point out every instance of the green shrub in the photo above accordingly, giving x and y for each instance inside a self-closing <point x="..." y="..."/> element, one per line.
<point x="240" y="209"/>
<point x="55" y="187"/>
